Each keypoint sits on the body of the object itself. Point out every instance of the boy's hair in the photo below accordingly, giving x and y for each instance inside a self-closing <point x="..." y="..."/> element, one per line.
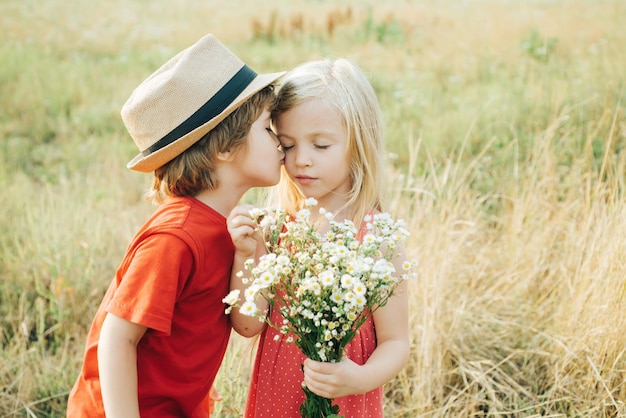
<point x="194" y="169"/>
<point x="344" y="86"/>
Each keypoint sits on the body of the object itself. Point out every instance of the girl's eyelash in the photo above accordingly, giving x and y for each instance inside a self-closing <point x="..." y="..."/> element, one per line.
<point x="288" y="147"/>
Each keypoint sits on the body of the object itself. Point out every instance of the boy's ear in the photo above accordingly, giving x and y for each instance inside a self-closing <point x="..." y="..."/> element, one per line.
<point x="225" y="156"/>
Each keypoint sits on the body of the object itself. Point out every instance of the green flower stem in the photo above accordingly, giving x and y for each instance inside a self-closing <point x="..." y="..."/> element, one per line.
<point x="315" y="406"/>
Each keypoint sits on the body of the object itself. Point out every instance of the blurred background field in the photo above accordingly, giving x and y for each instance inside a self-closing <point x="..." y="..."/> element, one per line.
<point x="507" y="141"/>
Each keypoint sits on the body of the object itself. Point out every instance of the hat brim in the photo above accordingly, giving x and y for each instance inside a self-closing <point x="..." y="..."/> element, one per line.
<point x="150" y="162"/>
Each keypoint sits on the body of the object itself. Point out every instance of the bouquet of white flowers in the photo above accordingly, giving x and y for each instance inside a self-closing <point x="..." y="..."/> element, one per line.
<point x="325" y="287"/>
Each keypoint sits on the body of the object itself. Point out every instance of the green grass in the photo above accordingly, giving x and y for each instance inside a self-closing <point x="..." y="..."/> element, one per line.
<point x="507" y="123"/>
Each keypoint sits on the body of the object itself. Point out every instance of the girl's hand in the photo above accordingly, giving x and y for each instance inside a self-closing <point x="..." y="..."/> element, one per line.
<point x="248" y="245"/>
<point x="333" y="380"/>
<point x="242" y="230"/>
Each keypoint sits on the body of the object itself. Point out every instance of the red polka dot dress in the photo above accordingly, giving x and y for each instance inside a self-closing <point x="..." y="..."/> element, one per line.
<point x="276" y="384"/>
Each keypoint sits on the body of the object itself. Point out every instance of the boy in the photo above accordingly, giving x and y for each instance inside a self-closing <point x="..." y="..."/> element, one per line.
<point x="202" y="124"/>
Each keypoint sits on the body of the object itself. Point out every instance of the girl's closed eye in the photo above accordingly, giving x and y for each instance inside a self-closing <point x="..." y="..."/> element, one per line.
<point x="321" y="146"/>
<point x="285" y="148"/>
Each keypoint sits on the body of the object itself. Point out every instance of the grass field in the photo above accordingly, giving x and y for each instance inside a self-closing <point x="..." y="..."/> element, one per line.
<point x="507" y="139"/>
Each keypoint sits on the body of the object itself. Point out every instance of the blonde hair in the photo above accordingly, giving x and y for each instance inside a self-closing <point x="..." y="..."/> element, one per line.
<point x="194" y="169"/>
<point x="343" y="85"/>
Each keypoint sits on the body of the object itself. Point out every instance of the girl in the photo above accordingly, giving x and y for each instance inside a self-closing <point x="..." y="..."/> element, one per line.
<point x="329" y="123"/>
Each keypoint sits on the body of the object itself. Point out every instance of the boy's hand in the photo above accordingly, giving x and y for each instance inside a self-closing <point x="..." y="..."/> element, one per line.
<point x="243" y="231"/>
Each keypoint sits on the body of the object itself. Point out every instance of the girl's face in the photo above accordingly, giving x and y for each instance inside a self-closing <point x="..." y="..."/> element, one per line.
<point x="314" y="138"/>
<point x="259" y="163"/>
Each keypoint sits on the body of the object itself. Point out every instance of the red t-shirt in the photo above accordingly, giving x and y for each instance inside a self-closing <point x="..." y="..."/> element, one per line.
<point x="172" y="280"/>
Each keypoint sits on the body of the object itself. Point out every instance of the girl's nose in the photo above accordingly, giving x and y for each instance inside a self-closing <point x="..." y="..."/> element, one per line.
<point x="302" y="158"/>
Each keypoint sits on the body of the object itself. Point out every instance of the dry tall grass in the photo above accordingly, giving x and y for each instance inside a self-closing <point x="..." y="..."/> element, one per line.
<point x="520" y="312"/>
<point x="507" y="121"/>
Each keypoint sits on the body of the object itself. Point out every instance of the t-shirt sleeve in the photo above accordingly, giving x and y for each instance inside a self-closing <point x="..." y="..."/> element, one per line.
<point x="147" y="291"/>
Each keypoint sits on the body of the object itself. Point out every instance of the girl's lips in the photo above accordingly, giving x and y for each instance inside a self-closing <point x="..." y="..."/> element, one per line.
<point x="304" y="180"/>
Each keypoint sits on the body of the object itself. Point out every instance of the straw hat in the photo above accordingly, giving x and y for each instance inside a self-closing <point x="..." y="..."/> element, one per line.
<point x="186" y="98"/>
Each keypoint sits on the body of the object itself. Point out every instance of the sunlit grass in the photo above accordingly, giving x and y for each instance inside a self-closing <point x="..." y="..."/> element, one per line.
<point x="507" y="123"/>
